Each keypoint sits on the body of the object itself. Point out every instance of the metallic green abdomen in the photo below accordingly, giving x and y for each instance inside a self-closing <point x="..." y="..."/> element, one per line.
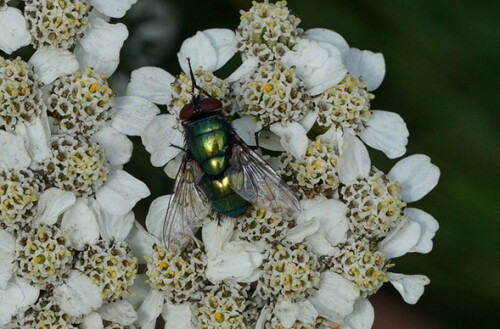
<point x="208" y="142"/>
<point x="222" y="198"/>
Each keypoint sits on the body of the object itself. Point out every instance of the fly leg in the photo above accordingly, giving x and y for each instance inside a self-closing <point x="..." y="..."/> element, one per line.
<point x="193" y="80"/>
<point x="178" y="147"/>
<point x="256" y="134"/>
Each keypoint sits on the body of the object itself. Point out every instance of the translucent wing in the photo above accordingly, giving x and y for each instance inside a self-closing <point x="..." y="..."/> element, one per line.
<point x="254" y="180"/>
<point x="187" y="207"/>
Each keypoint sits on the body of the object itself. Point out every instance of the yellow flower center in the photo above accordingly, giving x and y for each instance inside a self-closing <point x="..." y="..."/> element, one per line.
<point x="219" y="317"/>
<point x="267" y="88"/>
<point x="39" y="259"/>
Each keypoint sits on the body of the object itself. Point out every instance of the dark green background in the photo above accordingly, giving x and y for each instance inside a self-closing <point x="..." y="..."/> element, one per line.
<point x="442" y="61"/>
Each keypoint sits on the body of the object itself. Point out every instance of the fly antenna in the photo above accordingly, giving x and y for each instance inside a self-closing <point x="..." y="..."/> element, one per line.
<point x="193" y="80"/>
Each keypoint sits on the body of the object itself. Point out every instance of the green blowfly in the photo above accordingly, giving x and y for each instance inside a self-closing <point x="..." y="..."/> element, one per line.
<point x="218" y="171"/>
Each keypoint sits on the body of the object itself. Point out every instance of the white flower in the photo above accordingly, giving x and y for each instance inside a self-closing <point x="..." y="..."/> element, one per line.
<point x="318" y="64"/>
<point x="385" y="131"/>
<point x="362" y="316"/>
<point x="50" y="64"/>
<point x="17" y="295"/>
<point x="13" y="154"/>
<point x="98" y="43"/>
<point x="112" y="8"/>
<point x="23" y="116"/>
<point x="14" y="33"/>
<point x="333" y="225"/>
<point x="161" y="135"/>
<point x="7" y="249"/>
<point x="309" y="96"/>
<point x="100" y="46"/>
<point x="359" y="63"/>
<point x="229" y="260"/>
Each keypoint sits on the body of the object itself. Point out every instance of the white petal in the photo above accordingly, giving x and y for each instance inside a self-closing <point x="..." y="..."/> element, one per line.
<point x="13" y="153"/>
<point x="293" y="138"/>
<point x="246" y="127"/>
<point x="133" y="114"/>
<point x="302" y="231"/>
<point x="37" y="135"/>
<point x="121" y="312"/>
<point x="331" y="215"/>
<point x="400" y="240"/>
<point x="264" y="315"/>
<point x="14" y="33"/>
<point x="368" y="65"/>
<point x="209" y="49"/>
<point x="80" y="225"/>
<point x="416" y="176"/>
<point x="29" y="293"/>
<point x="335" y="297"/>
<point x="328" y="36"/>
<point x="156" y="215"/>
<point x="307" y="313"/>
<point x="320" y="245"/>
<point x="141" y="242"/>
<point x="115" y="227"/>
<point x="355" y="162"/>
<point x="100" y="46"/>
<point x="428" y="228"/>
<point x="224" y="43"/>
<point x="217" y="234"/>
<point x="78" y="296"/>
<point x="112" y="8"/>
<point x="362" y="317"/>
<point x="50" y="63"/>
<point x="172" y="167"/>
<point x="121" y="192"/>
<point x="200" y="51"/>
<point x="150" y="309"/>
<point x="318" y="64"/>
<point x="17" y="295"/>
<point x="151" y="83"/>
<point x="7" y="248"/>
<point x="91" y="321"/>
<point x="387" y="132"/>
<point x="162" y="140"/>
<point x="237" y="261"/>
<point x="309" y="120"/>
<point x="334" y="134"/>
<point x="244" y="70"/>
<point x="270" y="141"/>
<point x="177" y="316"/>
<point x="117" y="146"/>
<point x="411" y="287"/>
<point x="51" y="204"/>
<point x="140" y="290"/>
<point x="286" y="311"/>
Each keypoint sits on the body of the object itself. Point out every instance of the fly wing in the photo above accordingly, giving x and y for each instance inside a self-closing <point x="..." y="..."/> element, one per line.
<point x="254" y="180"/>
<point x="187" y="208"/>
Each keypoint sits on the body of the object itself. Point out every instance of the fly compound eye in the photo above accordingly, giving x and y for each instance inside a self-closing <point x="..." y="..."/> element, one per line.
<point x="210" y="104"/>
<point x="187" y="112"/>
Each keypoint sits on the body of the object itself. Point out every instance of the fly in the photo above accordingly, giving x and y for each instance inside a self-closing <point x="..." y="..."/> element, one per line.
<point x="218" y="171"/>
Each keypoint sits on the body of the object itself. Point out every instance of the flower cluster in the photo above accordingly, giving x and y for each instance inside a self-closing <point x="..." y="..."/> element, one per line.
<point x="308" y="96"/>
<point x="64" y="214"/>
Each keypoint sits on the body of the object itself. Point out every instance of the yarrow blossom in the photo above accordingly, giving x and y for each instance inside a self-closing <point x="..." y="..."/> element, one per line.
<point x="309" y="97"/>
<point x="66" y="203"/>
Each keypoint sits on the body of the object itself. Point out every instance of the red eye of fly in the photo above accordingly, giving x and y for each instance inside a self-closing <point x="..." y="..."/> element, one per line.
<point x="209" y="104"/>
<point x="187" y="112"/>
